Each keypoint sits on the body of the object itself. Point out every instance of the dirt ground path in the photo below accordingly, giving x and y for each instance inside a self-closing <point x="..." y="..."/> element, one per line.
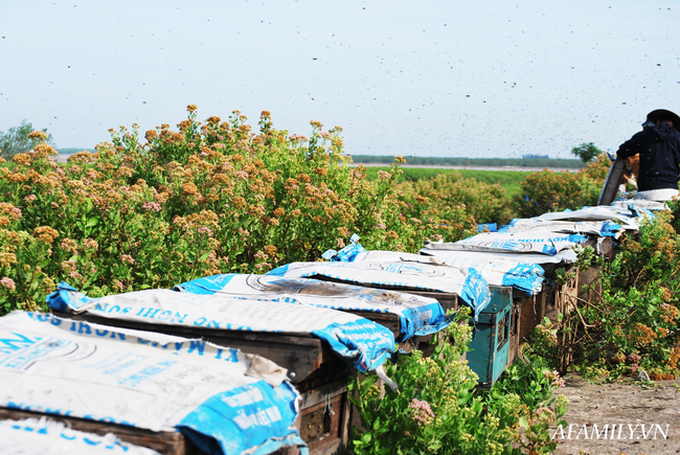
<point x="645" y="418"/>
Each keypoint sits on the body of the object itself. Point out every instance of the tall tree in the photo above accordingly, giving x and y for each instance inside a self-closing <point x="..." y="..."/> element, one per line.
<point x="16" y="140"/>
<point x="586" y="152"/>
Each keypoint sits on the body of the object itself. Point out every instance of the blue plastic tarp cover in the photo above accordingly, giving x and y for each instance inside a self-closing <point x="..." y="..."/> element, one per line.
<point x="147" y="380"/>
<point x="439" y="251"/>
<point x="417" y="315"/>
<point x="620" y="213"/>
<point x="496" y="271"/>
<point x="347" y="254"/>
<point x="548" y="243"/>
<point x="601" y="228"/>
<point x="468" y="284"/>
<point x="358" y="341"/>
<point x="641" y="207"/>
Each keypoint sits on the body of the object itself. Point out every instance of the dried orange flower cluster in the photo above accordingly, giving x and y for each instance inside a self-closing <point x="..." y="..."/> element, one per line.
<point x="210" y="197"/>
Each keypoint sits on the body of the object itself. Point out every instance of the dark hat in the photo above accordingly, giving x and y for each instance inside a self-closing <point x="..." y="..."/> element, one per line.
<point x="663" y="114"/>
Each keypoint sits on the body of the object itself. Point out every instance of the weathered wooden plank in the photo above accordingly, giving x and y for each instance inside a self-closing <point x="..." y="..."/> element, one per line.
<point x="448" y="300"/>
<point x="515" y="326"/>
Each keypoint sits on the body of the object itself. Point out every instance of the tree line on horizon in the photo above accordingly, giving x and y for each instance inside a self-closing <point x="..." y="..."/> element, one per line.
<point x="526" y="161"/>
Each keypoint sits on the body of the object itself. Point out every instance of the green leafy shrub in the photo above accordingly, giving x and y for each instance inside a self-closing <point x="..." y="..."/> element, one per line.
<point x="449" y="193"/>
<point x="437" y="409"/>
<point x="548" y="191"/>
<point x="533" y="378"/>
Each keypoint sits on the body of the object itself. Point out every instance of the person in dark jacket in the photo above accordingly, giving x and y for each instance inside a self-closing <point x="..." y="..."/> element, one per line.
<point x="658" y="145"/>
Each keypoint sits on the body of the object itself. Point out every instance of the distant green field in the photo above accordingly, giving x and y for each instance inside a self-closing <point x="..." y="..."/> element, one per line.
<point x="539" y="161"/>
<point x="511" y="181"/>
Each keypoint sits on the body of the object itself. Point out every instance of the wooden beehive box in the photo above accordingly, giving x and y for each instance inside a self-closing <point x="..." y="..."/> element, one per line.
<point x="490" y="347"/>
<point x="312" y="367"/>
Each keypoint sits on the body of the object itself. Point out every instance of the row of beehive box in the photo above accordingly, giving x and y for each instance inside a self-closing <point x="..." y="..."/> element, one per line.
<point x="324" y="418"/>
<point x="321" y="377"/>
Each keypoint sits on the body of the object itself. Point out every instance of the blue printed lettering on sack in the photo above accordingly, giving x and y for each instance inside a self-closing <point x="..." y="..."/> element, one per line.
<point x="156" y="314"/>
<point x="23" y="358"/>
<point x="18" y="342"/>
<point x="206" y="285"/>
<point x="397" y="267"/>
<point x="152" y="370"/>
<point x="22" y="350"/>
<point x="212" y="324"/>
<point x="255" y="418"/>
<point x="83" y="328"/>
<point x="106" y="308"/>
<point x="545" y="240"/>
<point x="80" y="327"/>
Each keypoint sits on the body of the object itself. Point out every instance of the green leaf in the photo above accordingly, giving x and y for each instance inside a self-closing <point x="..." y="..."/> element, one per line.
<point x="464" y="396"/>
<point x="376" y="424"/>
<point x="477" y="406"/>
<point x="367" y="384"/>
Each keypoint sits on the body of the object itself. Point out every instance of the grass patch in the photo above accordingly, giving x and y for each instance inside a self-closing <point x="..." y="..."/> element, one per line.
<point x="510" y="181"/>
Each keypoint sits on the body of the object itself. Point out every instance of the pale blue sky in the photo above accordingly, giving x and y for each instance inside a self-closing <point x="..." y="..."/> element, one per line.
<point x="428" y="78"/>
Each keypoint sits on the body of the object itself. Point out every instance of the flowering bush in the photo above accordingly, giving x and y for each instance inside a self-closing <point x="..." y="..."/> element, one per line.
<point x="422" y="413"/>
<point x="450" y="196"/>
<point x="639" y="303"/>
<point x="632" y="324"/>
<point x="210" y="197"/>
<point x="548" y="191"/>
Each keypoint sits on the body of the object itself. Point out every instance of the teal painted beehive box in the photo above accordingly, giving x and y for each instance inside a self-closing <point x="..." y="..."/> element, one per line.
<point x="490" y="348"/>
